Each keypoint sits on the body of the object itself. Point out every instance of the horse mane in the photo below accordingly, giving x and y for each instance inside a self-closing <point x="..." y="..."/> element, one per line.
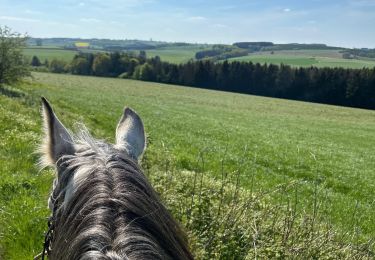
<point x="107" y="209"/>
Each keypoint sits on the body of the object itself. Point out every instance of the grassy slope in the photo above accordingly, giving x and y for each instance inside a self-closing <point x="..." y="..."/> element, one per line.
<point x="22" y="208"/>
<point x="272" y="141"/>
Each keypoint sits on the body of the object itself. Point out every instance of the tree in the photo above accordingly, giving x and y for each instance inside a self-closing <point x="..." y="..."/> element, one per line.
<point x="57" y="66"/>
<point x="80" y="66"/>
<point x="35" y="61"/>
<point x="13" y="66"/>
<point x="102" y="65"/>
<point x="142" y="57"/>
<point x="39" y="42"/>
<point x="146" y="72"/>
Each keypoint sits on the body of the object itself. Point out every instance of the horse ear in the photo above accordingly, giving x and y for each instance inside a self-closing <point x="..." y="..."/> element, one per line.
<point x="130" y="134"/>
<point x="57" y="141"/>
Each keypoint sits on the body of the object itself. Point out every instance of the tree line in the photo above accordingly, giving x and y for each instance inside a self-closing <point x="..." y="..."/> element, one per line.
<point x="367" y="53"/>
<point x="337" y="86"/>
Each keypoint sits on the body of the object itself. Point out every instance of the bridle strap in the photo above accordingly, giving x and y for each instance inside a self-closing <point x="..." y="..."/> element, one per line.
<point x="48" y="237"/>
<point x="47" y="241"/>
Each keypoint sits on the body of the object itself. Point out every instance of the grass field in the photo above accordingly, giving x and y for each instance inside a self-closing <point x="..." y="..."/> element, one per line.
<point x="50" y="54"/>
<point x="297" y="58"/>
<point x="170" y="54"/>
<point x="327" y="152"/>
<point x="307" y="58"/>
<point x="175" y="54"/>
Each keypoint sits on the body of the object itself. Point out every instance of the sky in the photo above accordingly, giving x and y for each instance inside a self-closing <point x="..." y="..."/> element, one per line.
<point x="344" y="23"/>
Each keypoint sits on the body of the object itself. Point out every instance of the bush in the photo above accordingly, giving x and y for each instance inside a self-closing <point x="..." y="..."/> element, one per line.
<point x="13" y="66"/>
<point x="57" y="66"/>
<point x="35" y="62"/>
<point x="80" y="66"/>
<point x="123" y="75"/>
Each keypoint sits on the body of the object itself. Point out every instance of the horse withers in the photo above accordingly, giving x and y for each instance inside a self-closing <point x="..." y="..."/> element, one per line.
<point x="102" y="205"/>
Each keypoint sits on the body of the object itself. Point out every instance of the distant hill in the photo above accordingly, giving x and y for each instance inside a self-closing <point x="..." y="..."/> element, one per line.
<point x="294" y="54"/>
<point x="102" y="44"/>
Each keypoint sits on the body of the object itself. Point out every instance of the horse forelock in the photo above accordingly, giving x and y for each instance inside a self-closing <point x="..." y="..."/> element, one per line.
<point x="109" y="210"/>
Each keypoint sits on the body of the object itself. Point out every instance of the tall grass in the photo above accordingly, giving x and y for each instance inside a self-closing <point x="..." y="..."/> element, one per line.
<point x="225" y="221"/>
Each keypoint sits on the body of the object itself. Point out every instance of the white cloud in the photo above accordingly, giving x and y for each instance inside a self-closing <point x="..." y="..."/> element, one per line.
<point x="287" y="10"/>
<point x="81" y="4"/>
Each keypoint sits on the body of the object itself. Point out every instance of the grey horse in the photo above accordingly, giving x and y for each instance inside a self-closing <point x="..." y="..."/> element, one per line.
<point x="103" y="206"/>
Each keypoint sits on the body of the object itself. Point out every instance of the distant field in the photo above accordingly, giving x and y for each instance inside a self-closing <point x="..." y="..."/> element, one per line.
<point x="327" y="151"/>
<point x="175" y="54"/>
<point x="170" y="54"/>
<point x="44" y="47"/>
<point x="306" y="53"/>
<point x="47" y="53"/>
<point x="306" y="58"/>
<point x="297" y="58"/>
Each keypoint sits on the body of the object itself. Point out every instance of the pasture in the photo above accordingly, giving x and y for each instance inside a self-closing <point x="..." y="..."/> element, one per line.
<point x="307" y="58"/>
<point x="178" y="54"/>
<point x="50" y="54"/>
<point x="182" y="54"/>
<point x="317" y="158"/>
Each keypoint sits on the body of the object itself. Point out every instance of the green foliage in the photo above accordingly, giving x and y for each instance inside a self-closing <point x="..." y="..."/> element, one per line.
<point x="58" y="66"/>
<point x="35" y="61"/>
<point x="39" y="42"/>
<point x="101" y="65"/>
<point x="13" y="66"/>
<point x="80" y="66"/>
<point x="353" y="53"/>
<point x="221" y="52"/>
<point x="145" y="72"/>
<point x="142" y="56"/>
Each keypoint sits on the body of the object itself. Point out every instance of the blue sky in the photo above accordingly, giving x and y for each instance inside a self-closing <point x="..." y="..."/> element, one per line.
<point x="348" y="23"/>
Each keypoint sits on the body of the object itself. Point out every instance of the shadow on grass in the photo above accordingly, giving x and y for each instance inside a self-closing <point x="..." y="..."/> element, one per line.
<point x="10" y="92"/>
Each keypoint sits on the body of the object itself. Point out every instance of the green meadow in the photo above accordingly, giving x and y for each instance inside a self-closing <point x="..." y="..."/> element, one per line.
<point x="307" y="58"/>
<point x="50" y="54"/>
<point x="175" y="54"/>
<point x="310" y="159"/>
<point x="182" y="54"/>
